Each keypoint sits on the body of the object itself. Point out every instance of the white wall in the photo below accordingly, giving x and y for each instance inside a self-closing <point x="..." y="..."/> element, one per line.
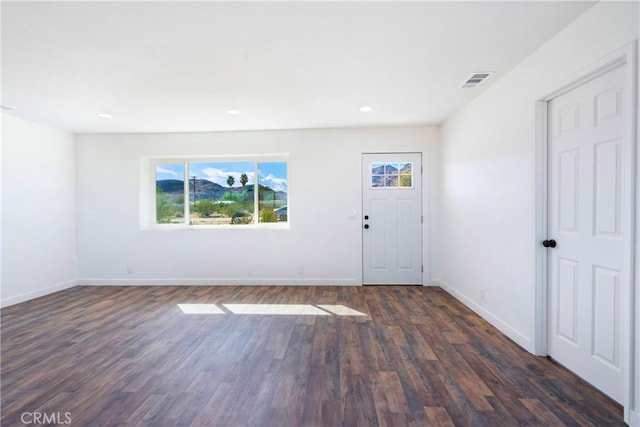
<point x="1" y="287"/>
<point x="38" y="210"/>
<point x="487" y="202"/>
<point x="324" y="175"/>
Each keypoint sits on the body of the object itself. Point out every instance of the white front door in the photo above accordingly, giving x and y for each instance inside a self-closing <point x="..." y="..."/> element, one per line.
<point x="392" y="219"/>
<point x="590" y="222"/>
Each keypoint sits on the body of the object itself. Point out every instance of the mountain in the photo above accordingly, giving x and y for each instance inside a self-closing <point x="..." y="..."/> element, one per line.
<point x="170" y="185"/>
<point x="266" y="193"/>
<point x="391" y="170"/>
<point x="406" y="169"/>
<point x="379" y="170"/>
<point x="206" y="189"/>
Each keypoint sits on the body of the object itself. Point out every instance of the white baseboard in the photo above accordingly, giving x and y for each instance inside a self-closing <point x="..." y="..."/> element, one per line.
<point x="218" y="282"/>
<point x="38" y="293"/>
<point x="634" y="419"/>
<point x="515" y="335"/>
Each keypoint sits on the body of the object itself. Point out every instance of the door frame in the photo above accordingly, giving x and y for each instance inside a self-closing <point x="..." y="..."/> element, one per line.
<point x="626" y="56"/>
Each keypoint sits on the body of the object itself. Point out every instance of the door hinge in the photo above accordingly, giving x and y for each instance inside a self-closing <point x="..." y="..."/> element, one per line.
<point x="421" y="219"/>
<point x="422" y="268"/>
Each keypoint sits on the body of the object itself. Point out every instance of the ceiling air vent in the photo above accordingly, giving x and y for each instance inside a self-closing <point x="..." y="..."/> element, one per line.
<point x="475" y="79"/>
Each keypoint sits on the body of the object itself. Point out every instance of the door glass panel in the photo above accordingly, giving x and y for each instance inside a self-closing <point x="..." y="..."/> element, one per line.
<point x="391" y="169"/>
<point x="377" y="174"/>
<point x="405" y="171"/>
<point x="392" y="175"/>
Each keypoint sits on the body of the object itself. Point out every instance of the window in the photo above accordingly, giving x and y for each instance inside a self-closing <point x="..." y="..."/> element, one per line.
<point x="392" y="175"/>
<point x="209" y="193"/>
<point x="170" y="194"/>
<point x="221" y="193"/>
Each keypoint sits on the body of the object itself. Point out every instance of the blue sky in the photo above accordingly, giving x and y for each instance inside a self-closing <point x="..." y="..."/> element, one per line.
<point x="170" y="172"/>
<point x="273" y="174"/>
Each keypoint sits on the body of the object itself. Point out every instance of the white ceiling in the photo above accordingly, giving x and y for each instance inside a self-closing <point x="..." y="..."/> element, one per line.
<point x="179" y="66"/>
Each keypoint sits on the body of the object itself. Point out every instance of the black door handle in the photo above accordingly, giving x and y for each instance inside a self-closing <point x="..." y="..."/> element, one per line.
<point x="366" y="226"/>
<point x="549" y="243"/>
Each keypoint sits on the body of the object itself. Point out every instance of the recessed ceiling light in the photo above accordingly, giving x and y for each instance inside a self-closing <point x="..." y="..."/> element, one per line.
<point x="366" y="109"/>
<point x="104" y="115"/>
<point x="233" y="112"/>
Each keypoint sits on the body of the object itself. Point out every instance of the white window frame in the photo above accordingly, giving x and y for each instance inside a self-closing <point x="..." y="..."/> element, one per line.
<point x="148" y="193"/>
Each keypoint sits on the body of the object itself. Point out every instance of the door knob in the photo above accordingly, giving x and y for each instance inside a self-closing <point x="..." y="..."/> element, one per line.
<point x="366" y="226"/>
<point x="549" y="243"/>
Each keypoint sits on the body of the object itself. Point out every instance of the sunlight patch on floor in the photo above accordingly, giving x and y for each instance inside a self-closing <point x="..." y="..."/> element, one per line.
<point x="340" y="310"/>
<point x="200" y="309"/>
<point x="276" y="309"/>
<point x="272" y="309"/>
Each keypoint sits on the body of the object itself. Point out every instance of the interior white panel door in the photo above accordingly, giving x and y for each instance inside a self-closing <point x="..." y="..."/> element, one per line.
<point x="392" y="218"/>
<point x="589" y="181"/>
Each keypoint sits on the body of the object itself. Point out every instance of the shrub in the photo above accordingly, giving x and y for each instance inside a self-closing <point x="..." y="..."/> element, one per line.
<point x="164" y="207"/>
<point x="268" y="215"/>
<point x="205" y="207"/>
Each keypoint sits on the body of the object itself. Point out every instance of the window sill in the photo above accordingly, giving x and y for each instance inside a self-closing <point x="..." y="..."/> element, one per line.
<point x="174" y="227"/>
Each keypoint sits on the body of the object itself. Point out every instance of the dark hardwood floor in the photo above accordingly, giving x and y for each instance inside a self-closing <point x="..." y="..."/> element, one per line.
<point x="110" y="356"/>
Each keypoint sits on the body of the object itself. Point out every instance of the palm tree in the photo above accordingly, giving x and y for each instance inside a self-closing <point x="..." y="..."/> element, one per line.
<point x="243" y="180"/>
<point x="230" y="182"/>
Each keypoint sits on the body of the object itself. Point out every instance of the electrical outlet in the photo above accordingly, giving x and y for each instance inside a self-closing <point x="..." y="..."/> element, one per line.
<point x="300" y="269"/>
<point x="482" y="294"/>
<point x="129" y="269"/>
